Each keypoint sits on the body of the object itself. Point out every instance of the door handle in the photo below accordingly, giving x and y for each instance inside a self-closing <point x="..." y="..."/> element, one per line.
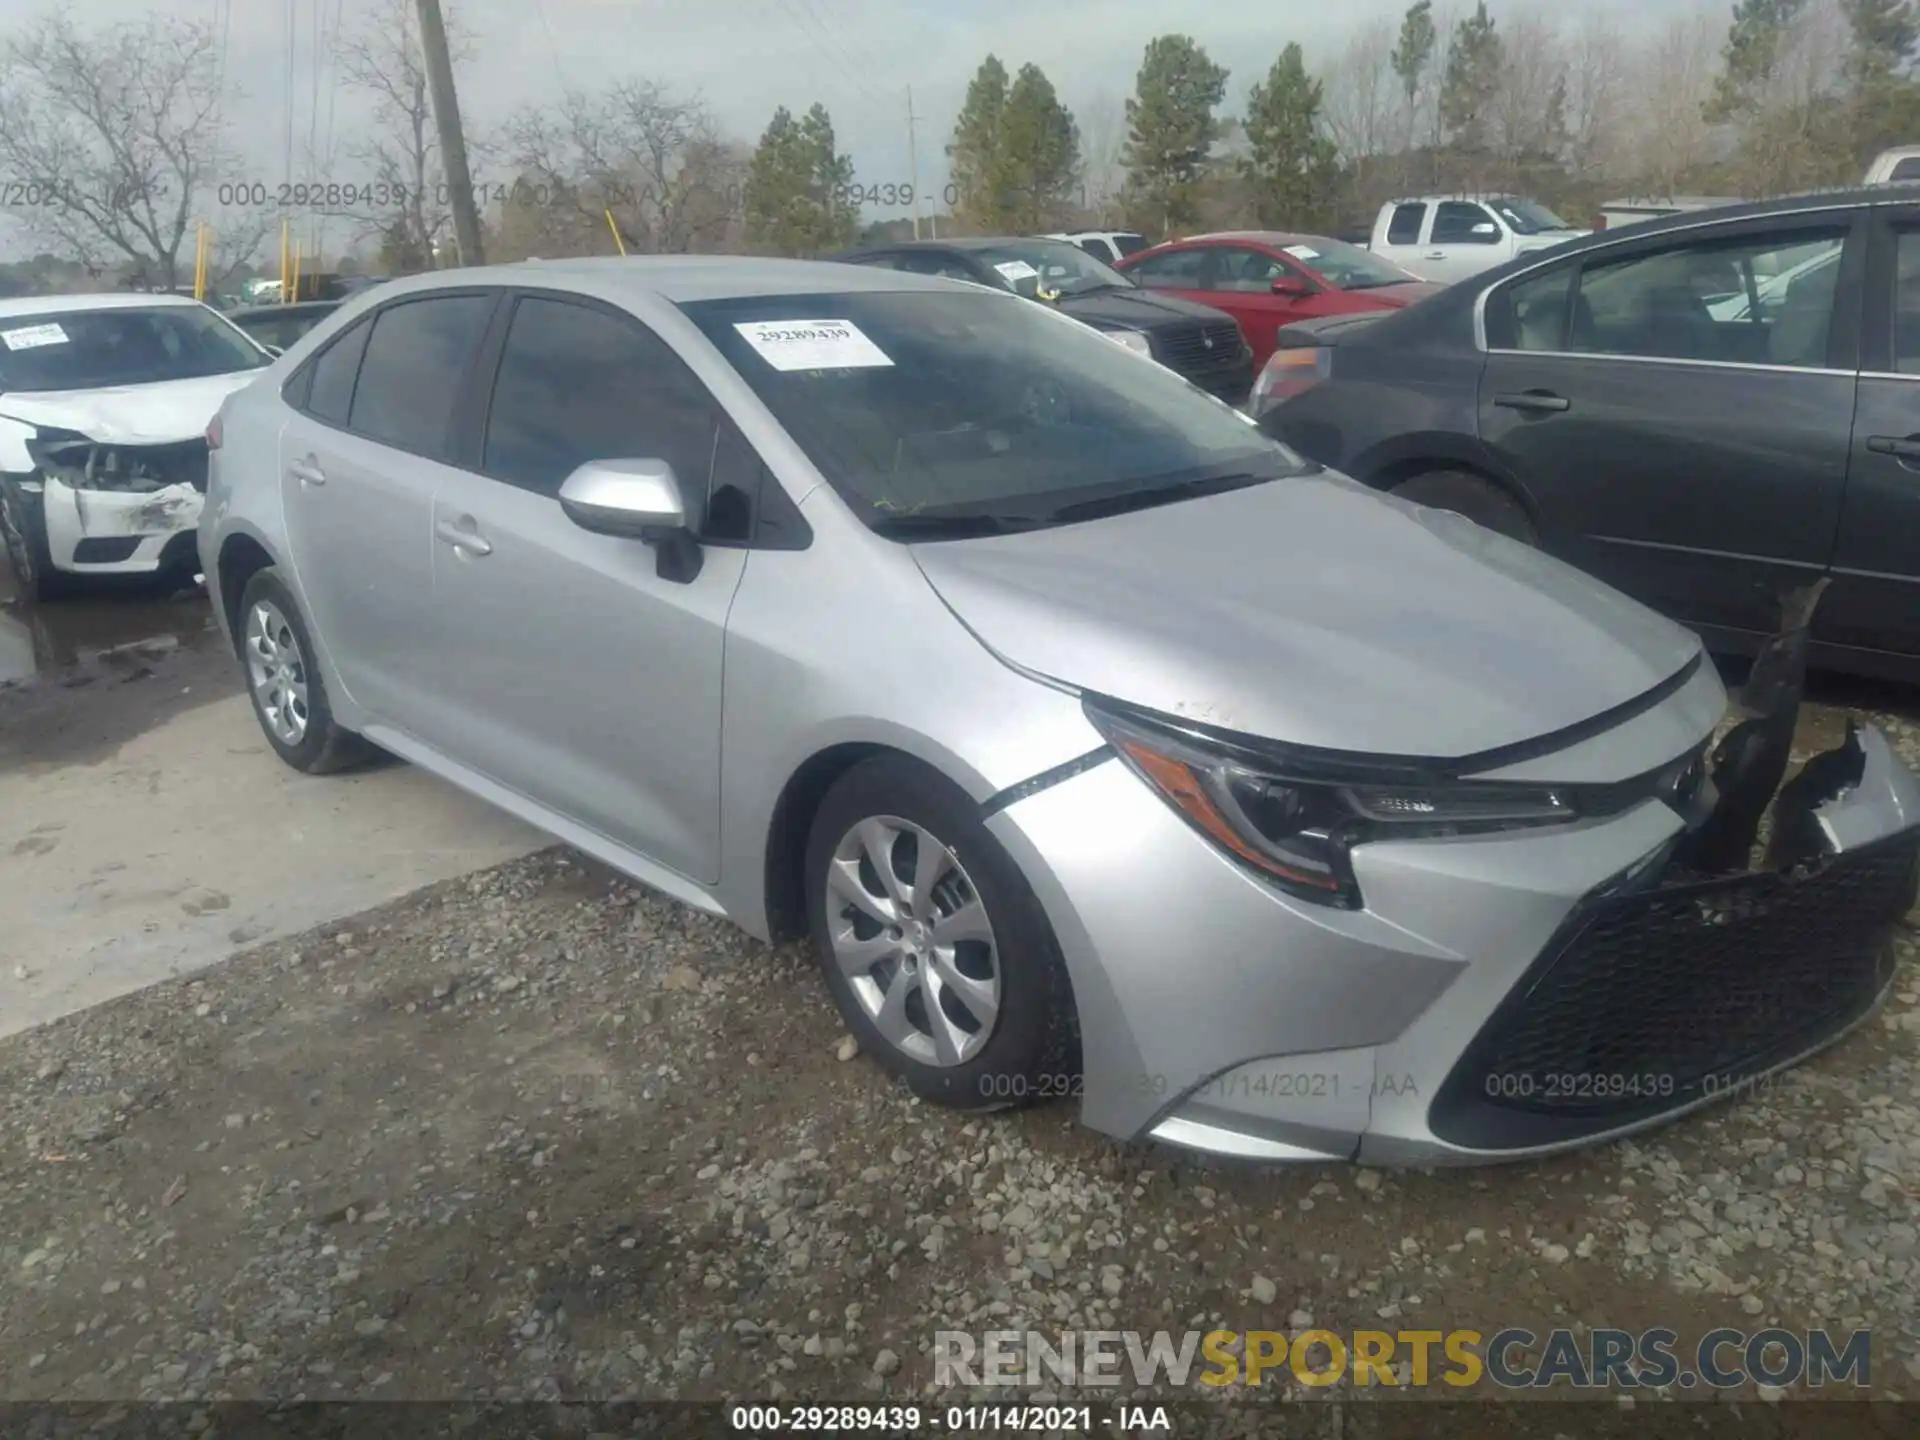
<point x="307" y="471"/>
<point x="1539" y="400"/>
<point x="466" y="541"/>
<point x="1900" y="449"/>
<point x="1436" y="255"/>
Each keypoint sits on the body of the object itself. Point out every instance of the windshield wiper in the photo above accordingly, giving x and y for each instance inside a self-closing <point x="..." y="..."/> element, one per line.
<point x="933" y="526"/>
<point x="1150" y="496"/>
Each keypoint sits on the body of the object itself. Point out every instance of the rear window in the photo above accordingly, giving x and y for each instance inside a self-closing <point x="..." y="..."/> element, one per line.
<point x="1907" y="169"/>
<point x="134" y="345"/>
<point x="931" y="405"/>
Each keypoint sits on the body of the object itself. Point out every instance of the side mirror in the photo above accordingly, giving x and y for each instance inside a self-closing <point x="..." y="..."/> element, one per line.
<point x="1486" y="227"/>
<point x="1289" y="288"/>
<point x="635" y="500"/>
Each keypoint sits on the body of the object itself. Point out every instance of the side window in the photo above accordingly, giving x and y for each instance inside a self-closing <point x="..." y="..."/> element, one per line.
<point x="1099" y="249"/>
<point x="1531" y="313"/>
<point x="1176" y="270"/>
<point x="416" y="360"/>
<point x="578" y="384"/>
<point x="332" y="372"/>
<point x="1131" y="244"/>
<point x="1246" y="272"/>
<point x="888" y="261"/>
<point x="1404" y="228"/>
<point x="1906" y="305"/>
<point x="1454" y="222"/>
<point x="1765" y="299"/>
<point x="923" y="262"/>
<point x="1907" y="169"/>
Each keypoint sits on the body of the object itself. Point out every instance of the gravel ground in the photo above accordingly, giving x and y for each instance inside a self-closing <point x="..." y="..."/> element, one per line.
<point x="537" y="1134"/>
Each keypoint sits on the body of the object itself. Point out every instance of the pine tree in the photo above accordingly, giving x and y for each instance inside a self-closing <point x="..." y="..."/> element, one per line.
<point x="1171" y="131"/>
<point x="1476" y="58"/>
<point x="796" y="186"/>
<point x="1291" y="166"/>
<point x="1015" y="152"/>
<point x="973" y="153"/>
<point x="1750" y="55"/>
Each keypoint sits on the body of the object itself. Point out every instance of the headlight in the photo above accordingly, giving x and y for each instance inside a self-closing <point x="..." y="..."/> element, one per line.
<point x="1297" y="826"/>
<point x="1134" y="340"/>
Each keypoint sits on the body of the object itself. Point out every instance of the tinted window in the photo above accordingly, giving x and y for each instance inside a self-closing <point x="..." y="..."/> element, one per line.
<point x="579" y="384"/>
<point x="932" y="262"/>
<point x="1246" y="272"/>
<point x="331" y="396"/>
<point x="1453" y="224"/>
<point x="1755" y="299"/>
<point x="1405" y="226"/>
<point x="1906" y="306"/>
<point x="1532" y="313"/>
<point x="415" y="363"/>
<point x="133" y="345"/>
<point x="1176" y="270"/>
<point x="1098" y="248"/>
<point x="1907" y="169"/>
<point x="1130" y="244"/>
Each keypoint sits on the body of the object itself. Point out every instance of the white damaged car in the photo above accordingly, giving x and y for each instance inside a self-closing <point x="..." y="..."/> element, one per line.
<point x="104" y="407"/>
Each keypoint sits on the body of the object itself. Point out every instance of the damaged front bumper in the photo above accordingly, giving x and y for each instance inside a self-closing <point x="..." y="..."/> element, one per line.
<point x="113" y="509"/>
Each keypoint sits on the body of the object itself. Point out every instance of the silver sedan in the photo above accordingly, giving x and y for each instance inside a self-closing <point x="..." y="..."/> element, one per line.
<point x="1105" y="748"/>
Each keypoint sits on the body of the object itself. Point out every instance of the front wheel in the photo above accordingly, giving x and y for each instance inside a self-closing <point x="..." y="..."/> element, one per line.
<point x="23" y="531"/>
<point x="934" y="947"/>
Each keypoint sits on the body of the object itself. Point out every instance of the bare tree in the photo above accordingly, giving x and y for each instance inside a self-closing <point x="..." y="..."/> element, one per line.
<point x="1597" y="71"/>
<point x="398" y="193"/>
<point x="113" y="139"/>
<point x="653" y="159"/>
<point x="1103" y="143"/>
<point x="1665" y="141"/>
<point x="1364" y="111"/>
<point x="1529" y="103"/>
<point x="1796" y="137"/>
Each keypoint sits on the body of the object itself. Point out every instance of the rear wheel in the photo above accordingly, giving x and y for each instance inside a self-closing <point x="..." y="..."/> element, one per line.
<point x="1473" y="496"/>
<point x="289" y="696"/>
<point x="937" y="953"/>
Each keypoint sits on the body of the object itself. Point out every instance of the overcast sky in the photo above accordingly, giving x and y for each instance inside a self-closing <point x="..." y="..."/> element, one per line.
<point x="747" y="56"/>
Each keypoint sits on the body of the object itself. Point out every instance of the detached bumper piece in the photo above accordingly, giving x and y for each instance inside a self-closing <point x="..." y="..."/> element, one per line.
<point x="1653" y="1002"/>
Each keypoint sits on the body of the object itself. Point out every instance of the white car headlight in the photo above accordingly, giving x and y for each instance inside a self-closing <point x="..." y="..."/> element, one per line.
<point x="1132" y="339"/>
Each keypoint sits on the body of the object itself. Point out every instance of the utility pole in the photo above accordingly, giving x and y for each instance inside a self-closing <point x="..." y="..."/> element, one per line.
<point x="913" y="164"/>
<point x="453" y="144"/>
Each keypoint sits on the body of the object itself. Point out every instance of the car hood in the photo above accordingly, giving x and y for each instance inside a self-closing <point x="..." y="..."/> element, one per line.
<point x="1316" y="612"/>
<point x="1133" y="309"/>
<point x="157" y="414"/>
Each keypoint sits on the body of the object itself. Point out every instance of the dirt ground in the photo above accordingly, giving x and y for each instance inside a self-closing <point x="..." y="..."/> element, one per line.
<point x="534" y="1134"/>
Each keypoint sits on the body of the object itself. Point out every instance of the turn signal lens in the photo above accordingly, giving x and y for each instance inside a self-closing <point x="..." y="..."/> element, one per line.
<point x="213" y="433"/>
<point x="1288" y="373"/>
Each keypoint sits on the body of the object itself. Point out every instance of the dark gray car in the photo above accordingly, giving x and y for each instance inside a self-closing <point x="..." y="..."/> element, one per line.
<point x="1702" y="410"/>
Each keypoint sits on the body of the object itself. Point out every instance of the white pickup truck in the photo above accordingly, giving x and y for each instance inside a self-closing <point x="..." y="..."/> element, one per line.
<point x="1445" y="238"/>
<point x="1899" y="166"/>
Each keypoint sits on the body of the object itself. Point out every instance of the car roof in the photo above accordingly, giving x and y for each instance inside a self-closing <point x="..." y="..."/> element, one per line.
<point x="970" y="242"/>
<point x="22" y="305"/>
<point x="292" y="307"/>
<point x="1262" y="237"/>
<point x="1846" y="198"/>
<point x="674" y="278"/>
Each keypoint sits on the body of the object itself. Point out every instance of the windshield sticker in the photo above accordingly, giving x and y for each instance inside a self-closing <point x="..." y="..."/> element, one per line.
<point x="1303" y="252"/>
<point x="813" y="345"/>
<point x="1016" y="270"/>
<point x="29" y="337"/>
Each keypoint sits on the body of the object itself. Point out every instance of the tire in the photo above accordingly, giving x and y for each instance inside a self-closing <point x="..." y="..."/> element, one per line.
<point x="1473" y="496"/>
<point x="1030" y="1050"/>
<point x="303" y="734"/>
<point x="23" y="531"/>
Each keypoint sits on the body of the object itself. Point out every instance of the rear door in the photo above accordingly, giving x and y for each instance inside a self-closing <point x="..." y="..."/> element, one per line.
<point x="1406" y="227"/>
<point x="569" y="669"/>
<point x="359" y="457"/>
<point x="1874" y="602"/>
<point x="1687" y="447"/>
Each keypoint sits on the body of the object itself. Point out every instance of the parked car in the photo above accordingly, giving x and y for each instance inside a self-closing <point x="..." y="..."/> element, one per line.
<point x="1448" y="238"/>
<point x="1197" y="341"/>
<point x="1608" y="402"/>
<point x="277" y="327"/>
<point x="1900" y="165"/>
<point x="104" y="403"/>
<point x="1103" y="746"/>
<point x="1111" y="246"/>
<point x="1265" y="279"/>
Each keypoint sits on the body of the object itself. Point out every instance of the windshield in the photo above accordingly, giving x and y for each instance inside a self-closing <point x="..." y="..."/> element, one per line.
<point x="1055" y="266"/>
<point x="1348" y="267"/>
<point x="964" y="413"/>
<point x="1528" y="217"/>
<point x="99" y="349"/>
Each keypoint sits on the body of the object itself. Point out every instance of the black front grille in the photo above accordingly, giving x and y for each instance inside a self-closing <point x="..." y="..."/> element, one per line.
<point x="1656" y="999"/>
<point x="1202" y="347"/>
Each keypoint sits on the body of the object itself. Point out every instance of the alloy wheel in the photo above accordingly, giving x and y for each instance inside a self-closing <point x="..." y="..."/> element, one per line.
<point x="912" y="936"/>
<point x="278" y="672"/>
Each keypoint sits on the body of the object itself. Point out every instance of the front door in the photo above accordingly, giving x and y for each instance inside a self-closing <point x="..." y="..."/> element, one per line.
<point x="1874" y="602"/>
<point x="1687" y="447"/>
<point x="573" y="672"/>
<point x="359" y="458"/>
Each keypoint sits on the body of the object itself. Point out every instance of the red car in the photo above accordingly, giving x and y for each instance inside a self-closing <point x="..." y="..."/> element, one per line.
<point x="1266" y="279"/>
